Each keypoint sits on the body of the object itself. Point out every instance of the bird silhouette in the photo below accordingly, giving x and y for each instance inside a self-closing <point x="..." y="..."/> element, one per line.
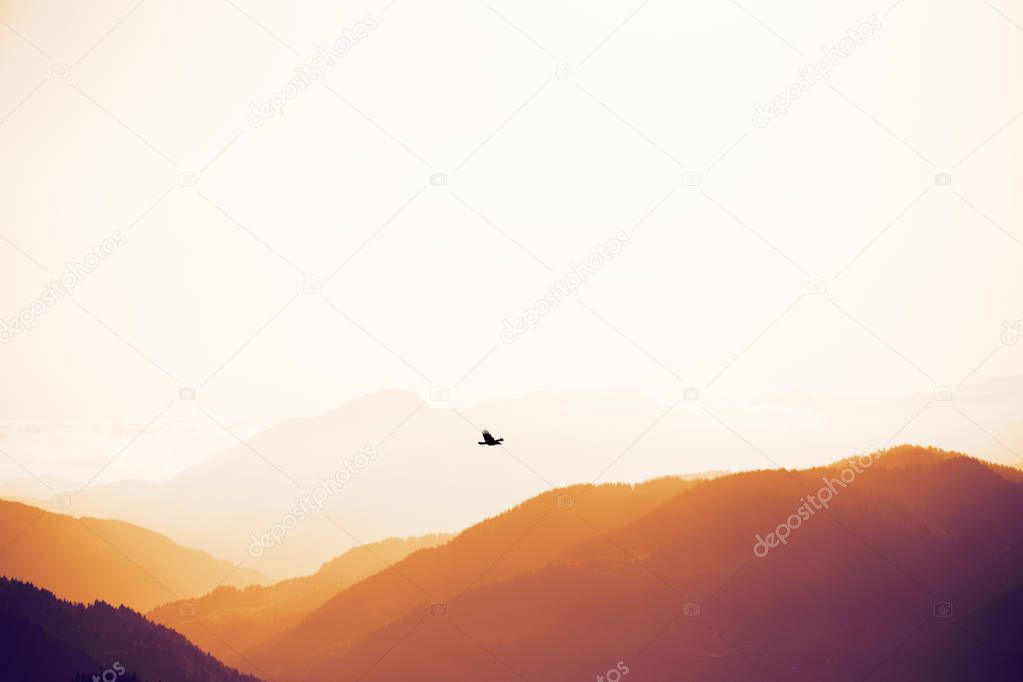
<point x="489" y="440"/>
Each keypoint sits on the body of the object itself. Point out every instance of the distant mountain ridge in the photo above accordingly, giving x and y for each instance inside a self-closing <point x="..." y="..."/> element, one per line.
<point x="228" y="620"/>
<point x="428" y="454"/>
<point x="84" y="559"/>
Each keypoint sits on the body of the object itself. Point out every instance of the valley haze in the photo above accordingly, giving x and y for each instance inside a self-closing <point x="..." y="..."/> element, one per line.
<point x="424" y="455"/>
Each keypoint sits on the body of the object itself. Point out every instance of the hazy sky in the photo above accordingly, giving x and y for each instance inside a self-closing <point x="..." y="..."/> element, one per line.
<point x="555" y="126"/>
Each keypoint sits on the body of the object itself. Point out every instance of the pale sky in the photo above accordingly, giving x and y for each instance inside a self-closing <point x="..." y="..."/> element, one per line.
<point x="556" y="125"/>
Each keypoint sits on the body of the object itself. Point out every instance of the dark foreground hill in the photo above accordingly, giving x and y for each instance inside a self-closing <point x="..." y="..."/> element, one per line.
<point x="43" y="638"/>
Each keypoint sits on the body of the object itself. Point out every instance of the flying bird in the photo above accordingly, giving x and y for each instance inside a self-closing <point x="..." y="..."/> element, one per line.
<point x="489" y="440"/>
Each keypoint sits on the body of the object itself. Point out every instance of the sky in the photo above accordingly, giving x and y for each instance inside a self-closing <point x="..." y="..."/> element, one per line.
<point x="387" y="224"/>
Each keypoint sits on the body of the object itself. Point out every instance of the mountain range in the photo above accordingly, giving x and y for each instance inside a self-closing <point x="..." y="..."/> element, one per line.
<point x="427" y="459"/>
<point x="569" y="590"/>
<point x="904" y="564"/>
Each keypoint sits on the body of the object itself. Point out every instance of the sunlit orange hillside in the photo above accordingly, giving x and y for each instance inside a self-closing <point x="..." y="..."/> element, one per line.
<point x="522" y="539"/>
<point x="229" y="620"/>
<point x="556" y="593"/>
<point x="84" y="559"/>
